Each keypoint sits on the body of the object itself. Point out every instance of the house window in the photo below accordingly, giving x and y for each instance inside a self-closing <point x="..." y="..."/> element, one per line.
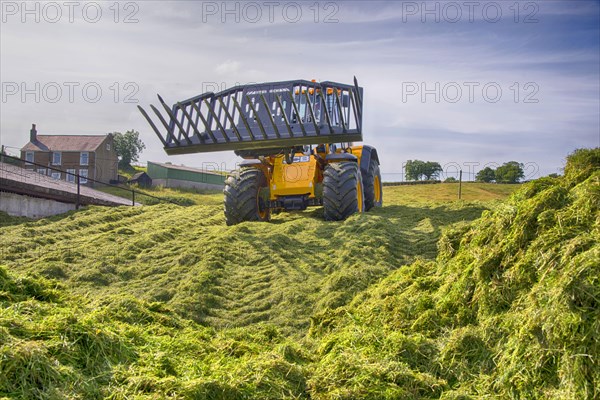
<point x="29" y="156"/>
<point x="41" y="171"/>
<point x="84" y="158"/>
<point x="56" y="158"/>
<point x="56" y="175"/>
<point x="70" y="175"/>
<point x="108" y="146"/>
<point x="83" y="173"/>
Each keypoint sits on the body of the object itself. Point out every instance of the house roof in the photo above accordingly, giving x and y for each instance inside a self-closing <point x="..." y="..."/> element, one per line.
<point x="184" y="168"/>
<point x="138" y="175"/>
<point x="65" y="143"/>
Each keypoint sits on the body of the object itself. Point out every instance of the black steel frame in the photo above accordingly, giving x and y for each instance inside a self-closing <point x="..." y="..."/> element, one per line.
<point x="266" y="117"/>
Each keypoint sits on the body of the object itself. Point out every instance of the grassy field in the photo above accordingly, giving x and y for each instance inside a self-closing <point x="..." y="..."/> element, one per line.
<point x="471" y="191"/>
<point x="131" y="170"/>
<point x="415" y="194"/>
<point x="185" y="197"/>
<point x="418" y="299"/>
<point x="222" y="276"/>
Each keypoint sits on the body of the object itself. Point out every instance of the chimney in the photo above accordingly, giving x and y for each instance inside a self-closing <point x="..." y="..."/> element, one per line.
<point x="33" y="134"/>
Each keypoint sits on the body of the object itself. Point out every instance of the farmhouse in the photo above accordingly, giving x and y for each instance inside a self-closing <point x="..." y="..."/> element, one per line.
<point x="90" y="156"/>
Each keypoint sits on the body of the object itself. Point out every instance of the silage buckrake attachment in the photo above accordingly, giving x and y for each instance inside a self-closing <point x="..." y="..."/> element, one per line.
<point x="259" y="119"/>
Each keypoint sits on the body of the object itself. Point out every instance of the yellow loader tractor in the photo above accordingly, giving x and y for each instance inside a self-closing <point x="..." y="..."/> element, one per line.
<point x="297" y="141"/>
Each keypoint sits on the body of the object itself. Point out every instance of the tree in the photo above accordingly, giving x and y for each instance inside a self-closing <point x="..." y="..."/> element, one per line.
<point x="451" y="179"/>
<point x="486" y="175"/>
<point x="417" y="169"/>
<point x="128" y="146"/>
<point x="510" y="172"/>
<point x="431" y="170"/>
<point x="414" y="170"/>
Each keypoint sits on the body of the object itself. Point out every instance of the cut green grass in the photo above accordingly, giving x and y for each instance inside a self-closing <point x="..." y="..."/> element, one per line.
<point x="509" y="309"/>
<point x="158" y="195"/>
<point x="419" y="299"/>
<point x="222" y="276"/>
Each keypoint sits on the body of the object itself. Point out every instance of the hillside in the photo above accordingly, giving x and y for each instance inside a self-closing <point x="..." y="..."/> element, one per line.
<point x="230" y="276"/>
<point x="166" y="301"/>
<point x="471" y="191"/>
<point x="510" y="308"/>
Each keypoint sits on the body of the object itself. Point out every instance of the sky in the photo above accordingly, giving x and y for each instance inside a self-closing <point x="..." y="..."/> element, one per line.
<point x="468" y="84"/>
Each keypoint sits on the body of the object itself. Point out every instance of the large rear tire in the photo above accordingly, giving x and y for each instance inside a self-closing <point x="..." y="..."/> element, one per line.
<point x="244" y="200"/>
<point x="373" y="187"/>
<point x="342" y="190"/>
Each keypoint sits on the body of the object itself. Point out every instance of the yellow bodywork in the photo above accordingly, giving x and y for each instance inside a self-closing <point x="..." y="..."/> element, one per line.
<point x="356" y="151"/>
<point x="301" y="177"/>
<point x="297" y="178"/>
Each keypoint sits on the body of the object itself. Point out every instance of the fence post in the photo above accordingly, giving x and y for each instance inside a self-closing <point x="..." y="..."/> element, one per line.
<point x="78" y="193"/>
<point x="132" y="197"/>
<point x="460" y="184"/>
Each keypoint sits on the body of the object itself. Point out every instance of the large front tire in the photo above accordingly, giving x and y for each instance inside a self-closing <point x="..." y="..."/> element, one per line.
<point x="244" y="196"/>
<point x="342" y="190"/>
<point x="373" y="187"/>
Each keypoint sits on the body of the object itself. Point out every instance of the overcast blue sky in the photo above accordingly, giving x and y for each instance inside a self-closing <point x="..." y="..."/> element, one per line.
<point x="462" y="83"/>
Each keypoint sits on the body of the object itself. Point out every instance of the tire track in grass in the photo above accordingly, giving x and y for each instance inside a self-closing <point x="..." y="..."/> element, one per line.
<point x="244" y="275"/>
<point x="85" y="224"/>
<point x="92" y="253"/>
<point x="280" y="273"/>
<point x="256" y="276"/>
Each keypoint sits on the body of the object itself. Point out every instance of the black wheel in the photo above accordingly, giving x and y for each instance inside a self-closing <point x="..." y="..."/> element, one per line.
<point x="342" y="190"/>
<point x="246" y="193"/>
<point x="373" y="187"/>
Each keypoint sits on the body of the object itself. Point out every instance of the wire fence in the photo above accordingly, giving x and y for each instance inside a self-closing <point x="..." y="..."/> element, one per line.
<point x="397" y="177"/>
<point x="79" y="180"/>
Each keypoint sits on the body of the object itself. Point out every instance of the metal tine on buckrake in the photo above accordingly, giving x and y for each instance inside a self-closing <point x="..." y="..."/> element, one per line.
<point x="260" y="116"/>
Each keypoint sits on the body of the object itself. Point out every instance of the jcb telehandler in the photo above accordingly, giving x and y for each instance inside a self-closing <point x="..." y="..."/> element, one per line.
<point x="296" y="138"/>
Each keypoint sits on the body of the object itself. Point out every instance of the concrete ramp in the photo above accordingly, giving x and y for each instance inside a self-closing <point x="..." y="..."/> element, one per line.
<point x="18" y="184"/>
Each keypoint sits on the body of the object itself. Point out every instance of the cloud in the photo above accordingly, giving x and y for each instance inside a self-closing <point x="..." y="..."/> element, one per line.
<point x="228" y="68"/>
<point x="179" y="51"/>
